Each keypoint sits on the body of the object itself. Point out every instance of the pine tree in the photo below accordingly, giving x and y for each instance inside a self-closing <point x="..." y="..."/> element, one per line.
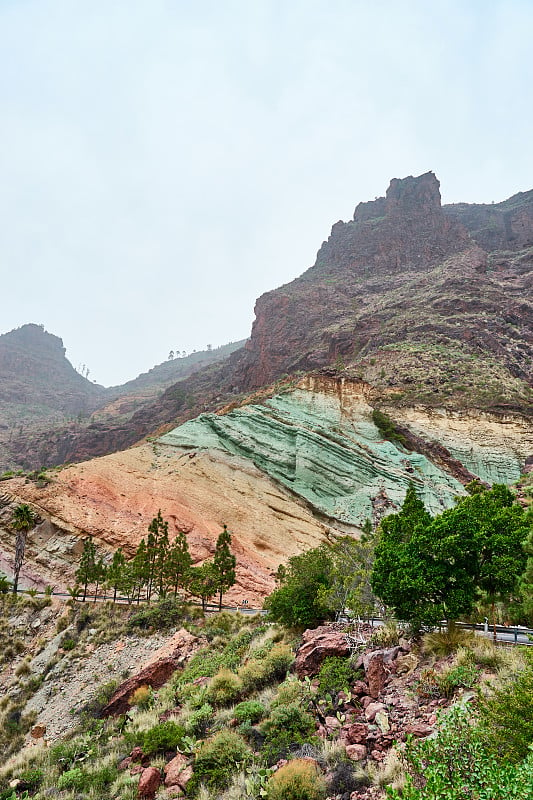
<point x="85" y="573"/>
<point x="224" y="563"/>
<point x="178" y="563"/>
<point x="156" y="547"/>
<point x="100" y="572"/>
<point x="203" y="582"/>
<point x="114" y="572"/>
<point x="140" y="569"/>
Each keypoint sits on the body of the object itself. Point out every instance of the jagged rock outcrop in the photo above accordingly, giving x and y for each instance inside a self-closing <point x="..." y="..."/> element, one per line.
<point x="497" y="226"/>
<point x="154" y="674"/>
<point x="403" y="270"/>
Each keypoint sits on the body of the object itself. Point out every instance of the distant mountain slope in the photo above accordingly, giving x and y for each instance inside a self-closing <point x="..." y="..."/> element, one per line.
<point x="175" y="369"/>
<point x="44" y="400"/>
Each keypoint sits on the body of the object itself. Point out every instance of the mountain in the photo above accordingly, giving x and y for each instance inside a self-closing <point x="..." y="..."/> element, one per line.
<point x="43" y="396"/>
<point x="402" y="355"/>
<point x="428" y="304"/>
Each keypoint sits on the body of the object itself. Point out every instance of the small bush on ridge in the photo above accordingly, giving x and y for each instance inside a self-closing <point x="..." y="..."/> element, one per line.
<point x="297" y="780"/>
<point x="250" y="710"/>
<point x="218" y="759"/>
<point x="335" y="674"/>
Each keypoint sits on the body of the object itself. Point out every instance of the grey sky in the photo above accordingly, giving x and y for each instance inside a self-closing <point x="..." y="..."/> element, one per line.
<point x="163" y="163"/>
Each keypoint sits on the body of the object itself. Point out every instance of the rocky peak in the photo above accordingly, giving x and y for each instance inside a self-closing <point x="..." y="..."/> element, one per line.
<point x="405" y="197"/>
<point x="413" y="195"/>
<point x="33" y="339"/>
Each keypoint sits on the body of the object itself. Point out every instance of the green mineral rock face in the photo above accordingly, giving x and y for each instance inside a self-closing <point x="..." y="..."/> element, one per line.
<point x="333" y="457"/>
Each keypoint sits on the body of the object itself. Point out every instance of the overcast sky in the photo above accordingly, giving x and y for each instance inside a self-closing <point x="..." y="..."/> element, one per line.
<point x="163" y="163"/>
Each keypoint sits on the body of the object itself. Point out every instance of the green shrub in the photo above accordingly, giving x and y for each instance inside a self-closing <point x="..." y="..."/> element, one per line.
<point x="251" y="711"/>
<point x="287" y="725"/>
<point x="199" y="720"/>
<point x="388" y="428"/>
<point x="444" y="643"/>
<point x="74" y="778"/>
<point x="278" y="662"/>
<point x="218" y="759"/>
<point x="335" y="674"/>
<point x="224" y="689"/>
<point x="142" y="697"/>
<point x="506" y="717"/>
<point x="297" y="780"/>
<point x="206" y="663"/>
<point x="260" y="672"/>
<point x="455" y="765"/>
<point x="30" y="780"/>
<point x="165" y="614"/>
<point x="289" y="691"/>
<point x="161" y="738"/>
<point x="67" y="754"/>
<point x="460" y="676"/>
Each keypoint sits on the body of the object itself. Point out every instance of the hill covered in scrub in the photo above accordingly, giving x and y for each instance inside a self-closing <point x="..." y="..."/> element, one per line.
<point x="114" y="702"/>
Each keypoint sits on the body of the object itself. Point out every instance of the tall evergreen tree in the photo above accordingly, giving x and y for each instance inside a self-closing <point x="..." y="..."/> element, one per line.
<point x="224" y="563"/>
<point x="156" y="545"/>
<point x="178" y="563"/>
<point x="85" y="573"/>
<point x="140" y="570"/>
<point x="114" y="572"/>
<point x="203" y="582"/>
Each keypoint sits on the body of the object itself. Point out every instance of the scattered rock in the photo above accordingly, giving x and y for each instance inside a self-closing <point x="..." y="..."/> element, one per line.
<point x="360" y="688"/>
<point x="356" y="752"/>
<point x="149" y="783"/>
<point x="372" y="709"/>
<point x="178" y="772"/>
<point x="382" y="721"/>
<point x="355" y="733"/>
<point x="376" y="675"/>
<point x="418" y="729"/>
<point x="406" y="663"/>
<point x="316" y="646"/>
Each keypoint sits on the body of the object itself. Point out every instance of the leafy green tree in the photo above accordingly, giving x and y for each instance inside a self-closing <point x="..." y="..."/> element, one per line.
<point x="203" y="582"/>
<point x="178" y="563"/>
<point x="526" y="580"/>
<point x="22" y="521"/>
<point x="298" y="602"/>
<point x="418" y="571"/>
<point x="430" y="569"/>
<point x="224" y="563"/>
<point x="86" y="572"/>
<point x="350" y="577"/>
<point x="501" y="529"/>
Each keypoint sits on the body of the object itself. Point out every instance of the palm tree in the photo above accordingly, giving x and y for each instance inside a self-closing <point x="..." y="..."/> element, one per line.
<point x="23" y="520"/>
